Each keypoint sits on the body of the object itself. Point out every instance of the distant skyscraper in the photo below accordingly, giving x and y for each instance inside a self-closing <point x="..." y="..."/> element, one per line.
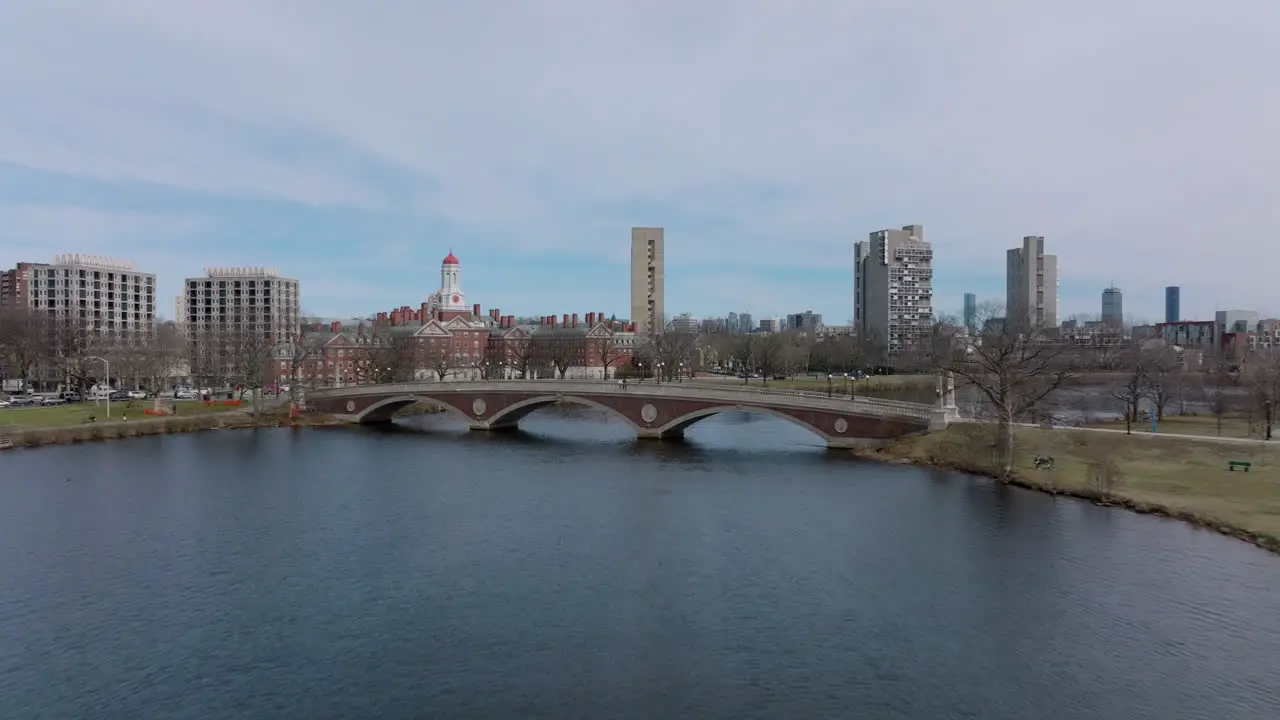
<point x="1031" y="294"/>
<point x="648" y="279"/>
<point x="1172" y="300"/>
<point x="971" y="312"/>
<point x="1113" y="307"/>
<point x="893" y="289"/>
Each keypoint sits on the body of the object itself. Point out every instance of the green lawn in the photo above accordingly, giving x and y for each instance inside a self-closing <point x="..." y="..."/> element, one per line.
<point x="78" y="413"/>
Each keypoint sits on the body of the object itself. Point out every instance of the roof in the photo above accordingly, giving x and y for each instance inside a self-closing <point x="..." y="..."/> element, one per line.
<point x="451" y="259"/>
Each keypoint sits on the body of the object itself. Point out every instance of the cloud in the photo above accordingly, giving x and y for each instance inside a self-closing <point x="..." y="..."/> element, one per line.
<point x="1138" y="137"/>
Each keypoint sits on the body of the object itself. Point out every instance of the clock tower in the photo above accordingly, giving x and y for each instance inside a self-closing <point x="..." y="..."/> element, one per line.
<point x="451" y="297"/>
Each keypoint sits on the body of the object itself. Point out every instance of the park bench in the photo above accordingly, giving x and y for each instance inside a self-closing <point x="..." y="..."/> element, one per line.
<point x="1233" y="464"/>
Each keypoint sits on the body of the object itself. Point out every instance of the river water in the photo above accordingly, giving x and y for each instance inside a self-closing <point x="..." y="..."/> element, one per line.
<point x="571" y="572"/>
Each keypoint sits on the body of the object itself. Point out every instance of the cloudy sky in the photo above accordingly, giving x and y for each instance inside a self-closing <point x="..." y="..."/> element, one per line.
<point x="352" y="144"/>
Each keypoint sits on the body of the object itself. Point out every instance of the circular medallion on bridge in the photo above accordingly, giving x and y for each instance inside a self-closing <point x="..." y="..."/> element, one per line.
<point x="648" y="413"/>
<point x="351" y="406"/>
<point x="478" y="407"/>
<point x="842" y="425"/>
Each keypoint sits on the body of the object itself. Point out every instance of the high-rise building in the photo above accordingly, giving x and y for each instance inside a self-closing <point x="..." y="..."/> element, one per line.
<point x="1031" y="293"/>
<point x="1113" y="307"/>
<point x="648" y="282"/>
<point x="971" y="313"/>
<point x="807" y="322"/>
<point x="242" y="303"/>
<point x="1172" y="304"/>
<point x="113" y="299"/>
<point x="893" y="289"/>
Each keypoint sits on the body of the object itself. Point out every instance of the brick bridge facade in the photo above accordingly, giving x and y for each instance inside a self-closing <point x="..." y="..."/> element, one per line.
<point x="652" y="410"/>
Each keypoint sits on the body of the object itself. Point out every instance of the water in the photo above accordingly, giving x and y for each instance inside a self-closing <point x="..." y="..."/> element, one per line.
<point x="571" y="572"/>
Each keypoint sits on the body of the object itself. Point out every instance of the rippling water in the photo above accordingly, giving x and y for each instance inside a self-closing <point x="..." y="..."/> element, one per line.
<point x="571" y="572"/>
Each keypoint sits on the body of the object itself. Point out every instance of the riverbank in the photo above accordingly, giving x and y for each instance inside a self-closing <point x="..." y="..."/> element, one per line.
<point x="196" y="418"/>
<point x="1187" y="480"/>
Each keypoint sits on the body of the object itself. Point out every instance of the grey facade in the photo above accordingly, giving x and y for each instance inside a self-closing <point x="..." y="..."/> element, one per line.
<point x="245" y="301"/>
<point x="1031" y="293"/>
<point x="807" y="322"/>
<point x="111" y="297"/>
<point x="1172" y="304"/>
<point x="893" y="290"/>
<point x="971" y="313"/>
<point x="648" y="279"/>
<point x="1113" y="307"/>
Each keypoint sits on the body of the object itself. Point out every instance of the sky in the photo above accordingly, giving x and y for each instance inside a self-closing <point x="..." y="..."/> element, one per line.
<point x="353" y="145"/>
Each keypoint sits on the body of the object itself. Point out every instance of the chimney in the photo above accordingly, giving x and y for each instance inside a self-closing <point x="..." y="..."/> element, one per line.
<point x="475" y="309"/>
<point x="599" y="317"/>
<point x="511" y="321"/>
<point x="497" y="313"/>
<point x="566" y="320"/>
<point x="423" y="310"/>
<point x="551" y="320"/>
<point x="335" y="327"/>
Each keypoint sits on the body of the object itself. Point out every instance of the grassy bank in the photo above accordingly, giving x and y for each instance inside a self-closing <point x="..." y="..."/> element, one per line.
<point x="79" y="413"/>
<point x="1184" y="479"/>
<point x="195" y="421"/>
<point x="1205" y="425"/>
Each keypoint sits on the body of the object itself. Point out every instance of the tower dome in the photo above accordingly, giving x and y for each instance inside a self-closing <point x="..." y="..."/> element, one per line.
<point x="451" y="259"/>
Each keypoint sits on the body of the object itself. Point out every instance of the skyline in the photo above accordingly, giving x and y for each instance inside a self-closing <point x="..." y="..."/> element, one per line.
<point x="182" y="137"/>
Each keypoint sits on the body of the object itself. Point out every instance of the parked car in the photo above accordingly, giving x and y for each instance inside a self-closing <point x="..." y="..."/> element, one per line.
<point x="120" y="395"/>
<point x="137" y="394"/>
<point x="184" y="395"/>
<point x="71" y="396"/>
<point x="54" y="400"/>
<point x="22" y="401"/>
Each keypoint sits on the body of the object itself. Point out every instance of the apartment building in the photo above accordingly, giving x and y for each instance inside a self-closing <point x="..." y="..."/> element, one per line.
<point x="1031" y="294"/>
<point x="893" y="289"/>
<point x="648" y="279"/>
<point x="243" y="301"/>
<point x="115" y="300"/>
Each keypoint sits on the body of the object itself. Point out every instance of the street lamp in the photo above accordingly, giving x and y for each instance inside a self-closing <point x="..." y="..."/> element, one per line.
<point x="828" y="384"/>
<point x="107" y="363"/>
<point x="845" y="388"/>
<point x="659" y="373"/>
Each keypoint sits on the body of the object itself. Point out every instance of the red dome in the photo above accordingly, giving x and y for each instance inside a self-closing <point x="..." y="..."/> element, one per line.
<point x="451" y="259"/>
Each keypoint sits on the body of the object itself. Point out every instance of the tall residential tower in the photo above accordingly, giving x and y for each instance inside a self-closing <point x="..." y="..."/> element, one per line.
<point x="648" y="282"/>
<point x="893" y="290"/>
<point x="1031" y="293"/>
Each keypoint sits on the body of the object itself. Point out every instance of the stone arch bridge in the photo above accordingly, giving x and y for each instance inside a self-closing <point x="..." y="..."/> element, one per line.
<point x="653" y="410"/>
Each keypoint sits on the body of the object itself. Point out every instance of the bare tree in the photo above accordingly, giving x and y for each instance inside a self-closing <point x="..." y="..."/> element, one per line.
<point x="666" y="352"/>
<point x="561" y="348"/>
<point x="768" y="354"/>
<point x="244" y="356"/>
<point x="1131" y="387"/>
<point x="604" y="350"/>
<point x="303" y="358"/>
<point x="1018" y="374"/>
<point x="519" y="352"/>
<point x="1163" y="377"/>
<point x="75" y="352"/>
<point x="160" y="357"/>
<point x="438" y="356"/>
<point x="385" y="357"/>
<point x="1261" y="378"/>
<point x="23" y="336"/>
<point x="1218" y="388"/>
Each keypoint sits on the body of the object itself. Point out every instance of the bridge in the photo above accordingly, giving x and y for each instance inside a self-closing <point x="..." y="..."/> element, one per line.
<point x="653" y="410"/>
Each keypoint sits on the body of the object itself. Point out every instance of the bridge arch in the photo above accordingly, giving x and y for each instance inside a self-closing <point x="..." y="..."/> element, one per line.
<point x="382" y="410"/>
<point x="676" y="427"/>
<point x="512" y="414"/>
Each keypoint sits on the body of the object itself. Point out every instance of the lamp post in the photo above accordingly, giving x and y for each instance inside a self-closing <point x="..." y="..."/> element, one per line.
<point x="658" y="375"/>
<point x="107" y="363"/>
<point x="845" y="387"/>
<point x="828" y="384"/>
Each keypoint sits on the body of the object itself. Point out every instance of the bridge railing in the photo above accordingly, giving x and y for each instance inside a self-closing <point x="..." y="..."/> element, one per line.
<point x="707" y="391"/>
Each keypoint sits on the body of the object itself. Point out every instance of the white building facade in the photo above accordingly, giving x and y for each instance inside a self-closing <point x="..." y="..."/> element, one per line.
<point x="114" y="300"/>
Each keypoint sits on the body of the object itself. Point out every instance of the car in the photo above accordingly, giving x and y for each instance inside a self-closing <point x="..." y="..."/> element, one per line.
<point x="71" y="397"/>
<point x="184" y="395"/>
<point x="52" y="400"/>
<point x="22" y="401"/>
<point x="120" y="395"/>
<point x="4" y="403"/>
<point x="137" y="395"/>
